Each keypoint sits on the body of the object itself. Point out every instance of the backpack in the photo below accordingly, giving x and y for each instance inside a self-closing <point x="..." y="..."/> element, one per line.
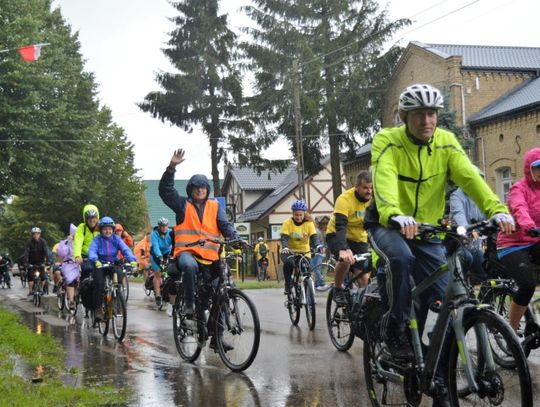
<point x="86" y="293"/>
<point x="262" y="250"/>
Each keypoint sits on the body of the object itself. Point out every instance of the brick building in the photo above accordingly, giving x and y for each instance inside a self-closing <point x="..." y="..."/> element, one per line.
<point x="494" y="91"/>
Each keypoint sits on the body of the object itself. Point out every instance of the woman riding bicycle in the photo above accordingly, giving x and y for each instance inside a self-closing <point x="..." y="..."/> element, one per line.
<point x="161" y="246"/>
<point x="298" y="234"/>
<point x="520" y="251"/>
<point x="70" y="268"/>
<point x="104" y="249"/>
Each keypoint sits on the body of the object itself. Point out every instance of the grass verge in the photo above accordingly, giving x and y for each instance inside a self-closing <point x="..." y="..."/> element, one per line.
<point x="41" y="353"/>
<point x="255" y="285"/>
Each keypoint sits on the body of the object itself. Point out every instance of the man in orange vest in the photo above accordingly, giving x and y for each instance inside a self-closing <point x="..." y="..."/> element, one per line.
<point x="197" y="218"/>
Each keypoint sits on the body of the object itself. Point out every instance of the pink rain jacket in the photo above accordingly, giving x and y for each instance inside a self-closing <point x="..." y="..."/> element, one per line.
<point x="524" y="205"/>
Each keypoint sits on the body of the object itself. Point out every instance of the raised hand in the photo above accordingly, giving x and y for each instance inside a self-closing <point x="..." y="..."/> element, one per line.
<point x="177" y="158"/>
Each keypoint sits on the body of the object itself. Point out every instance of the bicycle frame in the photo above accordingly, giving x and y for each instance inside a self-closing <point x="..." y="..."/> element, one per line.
<point x="455" y="304"/>
<point x="300" y="276"/>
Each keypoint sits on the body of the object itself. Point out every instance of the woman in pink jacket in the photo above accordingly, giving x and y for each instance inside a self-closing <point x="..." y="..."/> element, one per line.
<point x="520" y="250"/>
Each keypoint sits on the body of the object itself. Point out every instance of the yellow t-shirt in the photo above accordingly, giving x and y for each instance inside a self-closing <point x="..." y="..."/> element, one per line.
<point x="298" y="235"/>
<point x="348" y="205"/>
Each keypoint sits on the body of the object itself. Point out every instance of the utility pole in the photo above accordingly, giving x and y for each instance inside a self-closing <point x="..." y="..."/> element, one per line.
<point x="298" y="130"/>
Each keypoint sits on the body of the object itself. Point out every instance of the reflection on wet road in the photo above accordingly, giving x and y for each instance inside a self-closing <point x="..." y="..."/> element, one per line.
<point x="294" y="366"/>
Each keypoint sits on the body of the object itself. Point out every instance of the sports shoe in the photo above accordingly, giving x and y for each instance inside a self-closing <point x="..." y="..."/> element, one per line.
<point x="158" y="300"/>
<point x="169" y="310"/>
<point x="55" y="289"/>
<point x="287" y="290"/>
<point x="339" y="296"/>
<point x="324" y="287"/>
<point x="399" y="345"/>
<point x="439" y="394"/>
<point x="226" y="346"/>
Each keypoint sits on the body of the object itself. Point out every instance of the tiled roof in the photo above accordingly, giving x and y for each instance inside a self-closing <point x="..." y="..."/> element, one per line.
<point x="360" y="152"/>
<point x="268" y="200"/>
<point x="523" y="97"/>
<point x="249" y="180"/>
<point x="489" y="57"/>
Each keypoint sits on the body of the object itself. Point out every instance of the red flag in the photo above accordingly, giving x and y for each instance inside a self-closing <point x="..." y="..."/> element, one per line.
<point x="30" y="53"/>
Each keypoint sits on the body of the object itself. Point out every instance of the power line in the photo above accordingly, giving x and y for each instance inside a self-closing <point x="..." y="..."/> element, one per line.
<point x="363" y="39"/>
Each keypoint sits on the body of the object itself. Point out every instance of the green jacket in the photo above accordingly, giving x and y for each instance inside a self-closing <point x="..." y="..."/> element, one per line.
<point x="83" y="235"/>
<point x="410" y="179"/>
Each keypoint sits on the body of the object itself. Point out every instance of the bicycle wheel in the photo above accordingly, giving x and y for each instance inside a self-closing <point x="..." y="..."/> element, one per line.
<point x="293" y="304"/>
<point x="125" y="287"/>
<point x="37" y="299"/>
<point x="382" y="390"/>
<point x="501" y="299"/>
<point x="310" y="303"/>
<point x="339" y="324"/>
<point x="495" y="383"/>
<point x="60" y="299"/>
<point x="186" y="332"/>
<point x="119" y="316"/>
<point x="103" y="324"/>
<point x="237" y="325"/>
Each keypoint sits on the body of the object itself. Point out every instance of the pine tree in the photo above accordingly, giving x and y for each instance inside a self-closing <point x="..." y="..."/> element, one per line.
<point x="339" y="46"/>
<point x="207" y="89"/>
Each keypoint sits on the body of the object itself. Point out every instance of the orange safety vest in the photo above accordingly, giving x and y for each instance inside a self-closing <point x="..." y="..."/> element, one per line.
<point x="192" y="230"/>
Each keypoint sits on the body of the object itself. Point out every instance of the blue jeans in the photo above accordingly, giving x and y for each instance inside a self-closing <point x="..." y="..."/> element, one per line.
<point x="416" y="259"/>
<point x="190" y="269"/>
<point x="316" y="261"/>
<point x="471" y="259"/>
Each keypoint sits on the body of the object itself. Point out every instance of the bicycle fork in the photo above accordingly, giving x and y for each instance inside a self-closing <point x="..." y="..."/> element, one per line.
<point x="303" y="300"/>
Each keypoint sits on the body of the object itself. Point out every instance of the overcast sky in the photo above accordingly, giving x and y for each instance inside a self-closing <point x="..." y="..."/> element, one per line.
<point x="121" y="42"/>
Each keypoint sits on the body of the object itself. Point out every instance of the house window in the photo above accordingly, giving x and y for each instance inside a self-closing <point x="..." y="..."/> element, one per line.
<point x="504" y="182"/>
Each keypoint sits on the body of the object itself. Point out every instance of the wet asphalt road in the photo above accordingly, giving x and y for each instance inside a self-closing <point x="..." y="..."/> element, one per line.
<point x="294" y="366"/>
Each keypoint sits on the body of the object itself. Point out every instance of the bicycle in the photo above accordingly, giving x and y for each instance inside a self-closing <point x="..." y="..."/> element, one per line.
<point x="472" y="371"/>
<point x="148" y="285"/>
<point x="262" y="269"/>
<point x="22" y="275"/>
<point x="114" y="305"/>
<point x="5" y="280"/>
<point x="302" y="290"/>
<point x="222" y="312"/>
<point x="499" y="290"/>
<point x="37" y="290"/>
<point x="343" y="321"/>
<point x="62" y="300"/>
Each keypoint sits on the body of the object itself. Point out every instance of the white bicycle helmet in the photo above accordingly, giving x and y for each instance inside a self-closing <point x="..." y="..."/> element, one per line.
<point x="35" y="229"/>
<point x="420" y="96"/>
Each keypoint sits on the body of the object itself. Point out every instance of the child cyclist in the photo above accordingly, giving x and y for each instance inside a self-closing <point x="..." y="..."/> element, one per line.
<point x="298" y="234"/>
<point x="104" y="248"/>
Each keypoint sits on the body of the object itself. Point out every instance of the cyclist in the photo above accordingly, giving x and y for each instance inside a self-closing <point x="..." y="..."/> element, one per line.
<point x="104" y="248"/>
<point x="463" y="212"/>
<point x="520" y="251"/>
<point x="161" y="246"/>
<point x="261" y="252"/>
<point x="5" y="265"/>
<point x="411" y="165"/>
<point x="142" y="252"/>
<point x="298" y="234"/>
<point x="70" y="268"/>
<point x="84" y="235"/>
<point x="197" y="218"/>
<point x="346" y="235"/>
<point x="125" y="236"/>
<point x="36" y="253"/>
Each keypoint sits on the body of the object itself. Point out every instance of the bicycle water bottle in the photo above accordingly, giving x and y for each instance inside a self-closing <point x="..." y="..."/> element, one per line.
<point x="430" y="322"/>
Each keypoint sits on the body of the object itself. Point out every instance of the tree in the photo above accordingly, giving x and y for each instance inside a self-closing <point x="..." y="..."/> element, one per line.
<point x="59" y="148"/>
<point x="339" y="46"/>
<point x="207" y="88"/>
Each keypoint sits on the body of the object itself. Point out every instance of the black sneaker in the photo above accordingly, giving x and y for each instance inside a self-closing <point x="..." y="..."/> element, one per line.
<point x="339" y="296"/>
<point x="55" y="289"/>
<point x="399" y="346"/>
<point x="226" y="346"/>
<point x="158" y="300"/>
<point x="287" y="290"/>
<point x="440" y="394"/>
